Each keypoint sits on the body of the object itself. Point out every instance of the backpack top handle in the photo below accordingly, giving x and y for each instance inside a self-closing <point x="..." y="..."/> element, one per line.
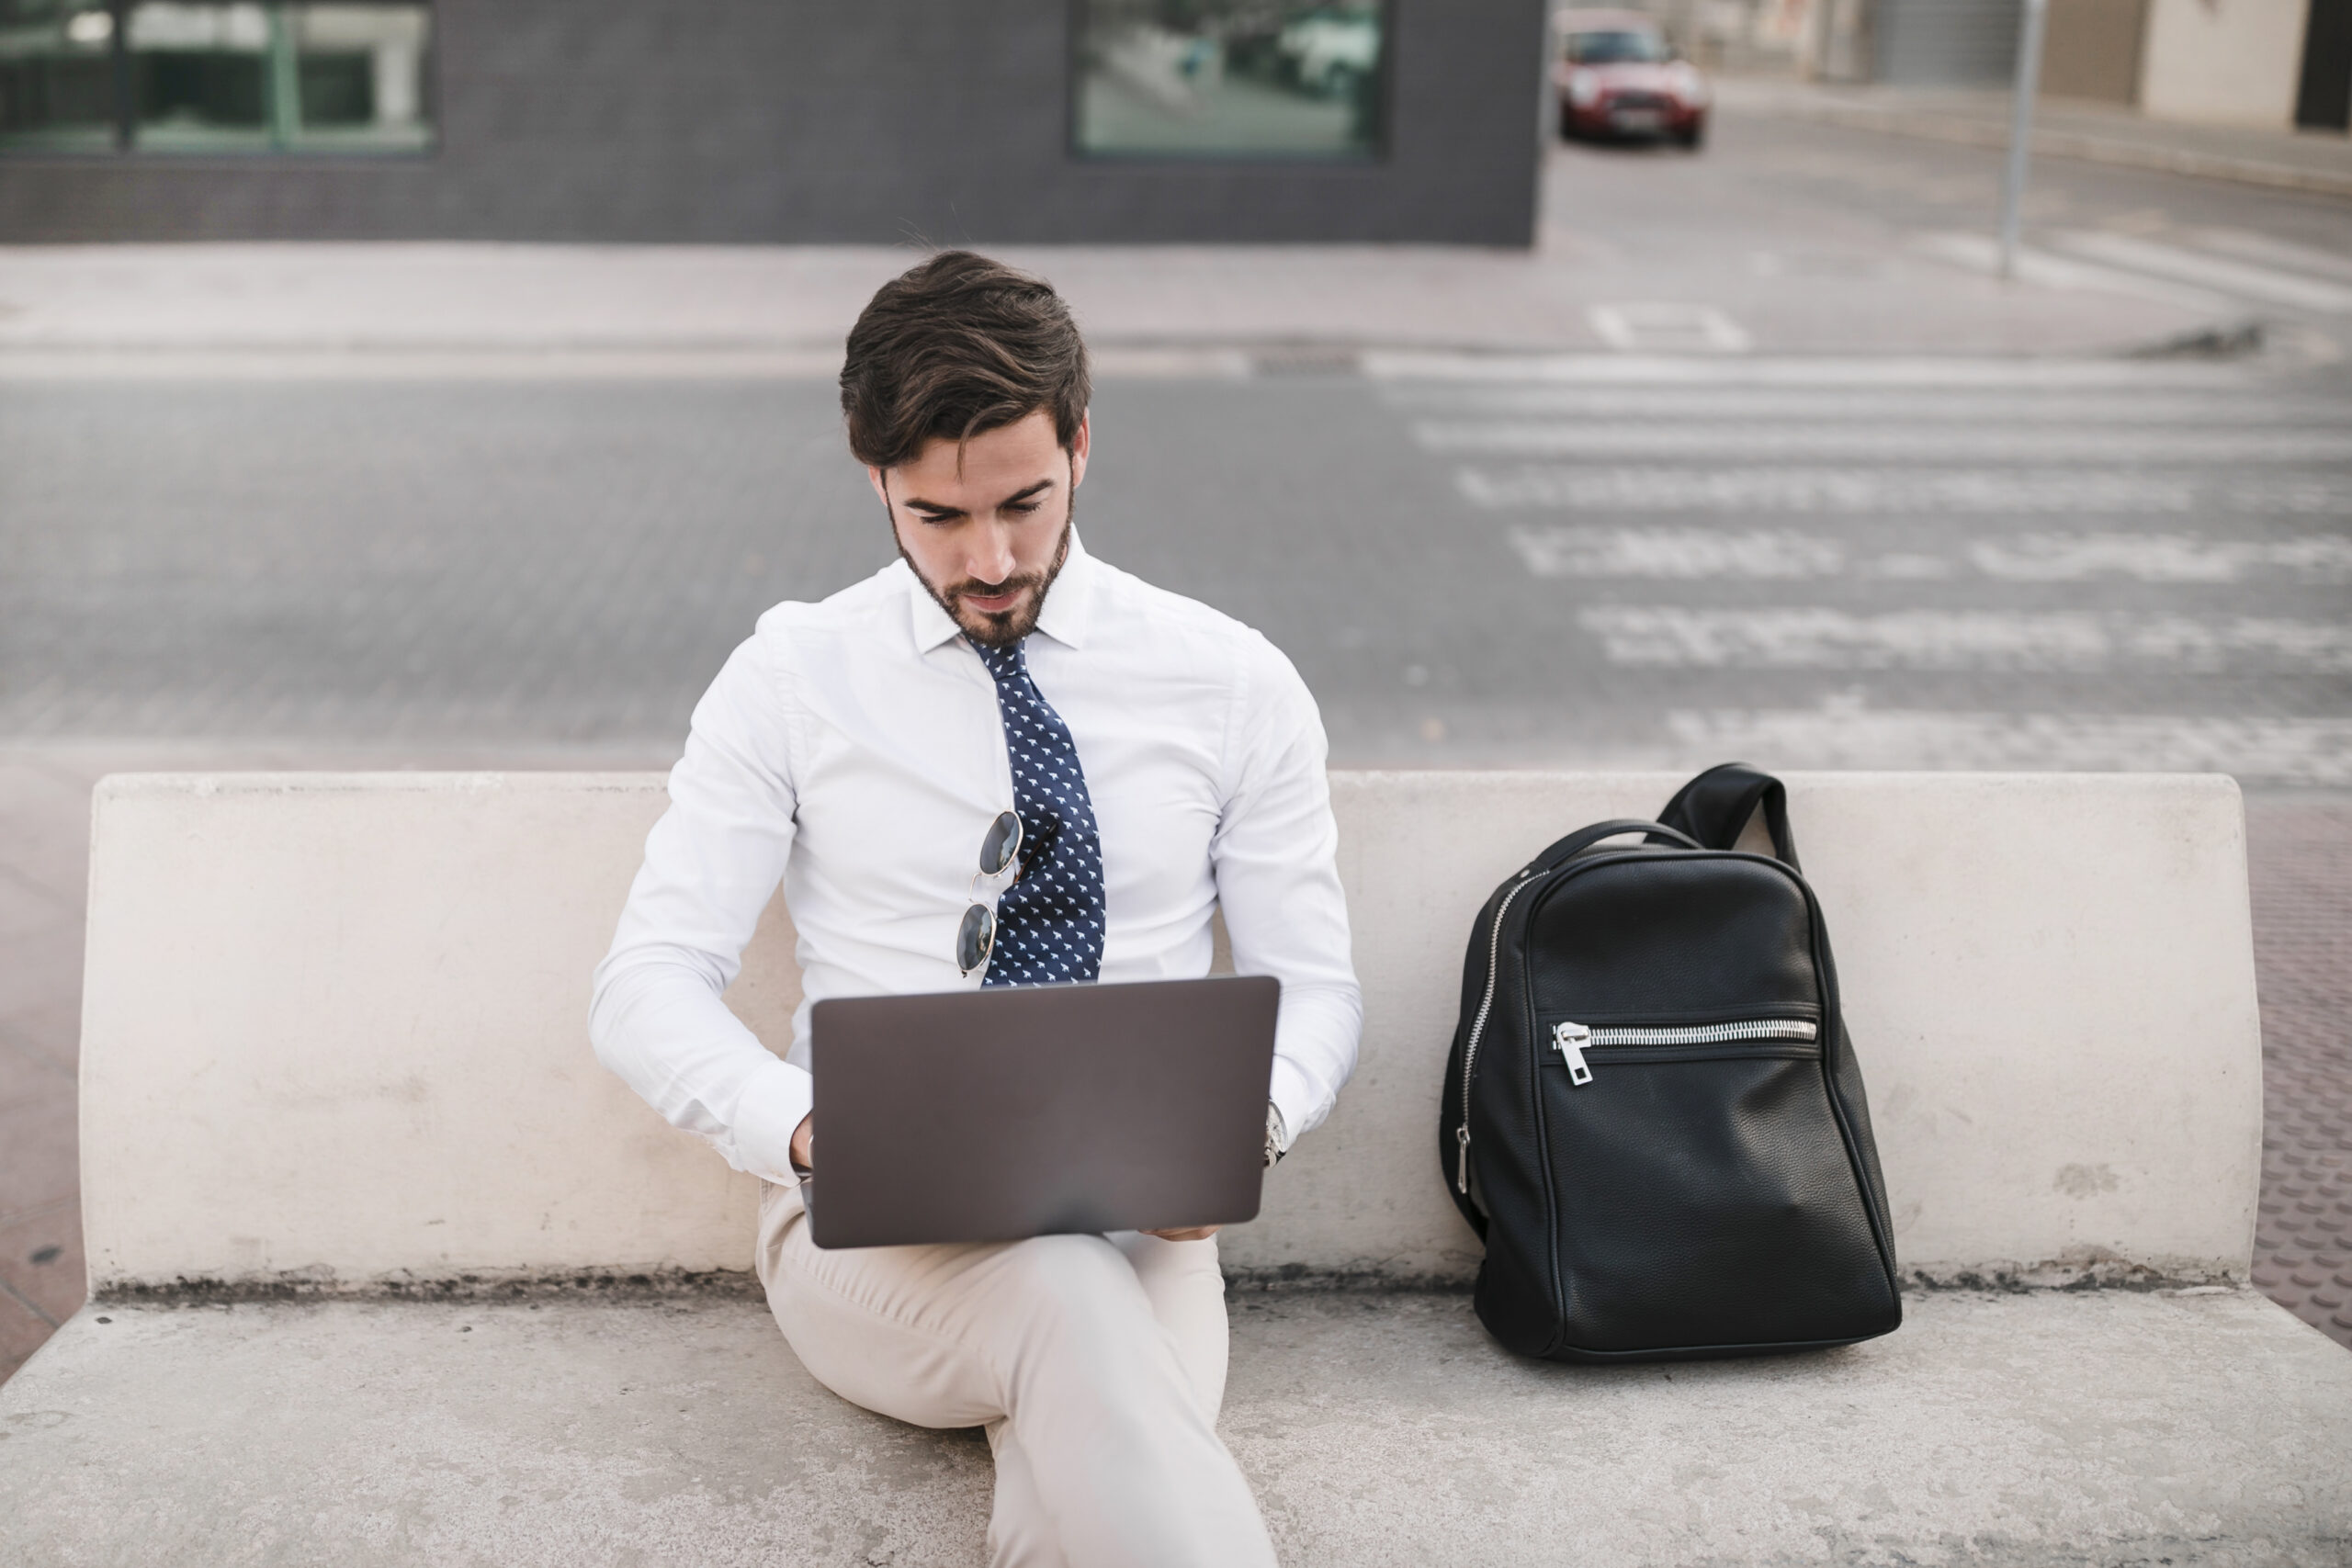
<point x="1714" y="807"/>
<point x="1583" y="838"/>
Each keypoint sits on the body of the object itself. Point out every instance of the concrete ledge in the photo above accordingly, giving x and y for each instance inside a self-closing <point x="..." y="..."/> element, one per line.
<point x="335" y="1043"/>
<point x="335" y="1034"/>
<point x="2040" y="1429"/>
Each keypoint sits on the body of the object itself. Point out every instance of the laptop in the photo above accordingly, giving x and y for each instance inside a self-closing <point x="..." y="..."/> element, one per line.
<point x="999" y="1114"/>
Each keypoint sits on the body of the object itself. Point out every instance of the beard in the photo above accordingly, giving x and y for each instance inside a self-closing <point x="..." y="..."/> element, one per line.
<point x="1000" y="628"/>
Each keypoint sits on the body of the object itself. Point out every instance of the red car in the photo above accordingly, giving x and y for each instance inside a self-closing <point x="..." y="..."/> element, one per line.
<point x="1619" y="77"/>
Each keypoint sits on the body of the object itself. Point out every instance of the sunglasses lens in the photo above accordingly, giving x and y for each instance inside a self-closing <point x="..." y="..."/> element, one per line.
<point x="1003" y="842"/>
<point x="975" y="938"/>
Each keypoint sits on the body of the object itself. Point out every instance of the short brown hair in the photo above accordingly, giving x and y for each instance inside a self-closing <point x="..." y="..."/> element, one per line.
<point x="954" y="347"/>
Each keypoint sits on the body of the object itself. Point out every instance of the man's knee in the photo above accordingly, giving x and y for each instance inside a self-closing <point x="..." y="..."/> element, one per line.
<point x="1058" y="1274"/>
<point x="1081" y="1317"/>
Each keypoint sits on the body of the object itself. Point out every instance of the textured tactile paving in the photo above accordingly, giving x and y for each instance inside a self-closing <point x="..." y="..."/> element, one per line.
<point x="2301" y="854"/>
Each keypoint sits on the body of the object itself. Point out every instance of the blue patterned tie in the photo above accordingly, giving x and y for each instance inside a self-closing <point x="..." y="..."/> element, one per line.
<point x="1048" y="923"/>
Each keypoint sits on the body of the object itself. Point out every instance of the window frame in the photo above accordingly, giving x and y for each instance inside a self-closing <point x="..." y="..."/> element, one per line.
<point x="124" y="89"/>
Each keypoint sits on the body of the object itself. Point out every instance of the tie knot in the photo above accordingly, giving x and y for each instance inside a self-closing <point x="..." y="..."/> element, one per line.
<point x="1002" y="662"/>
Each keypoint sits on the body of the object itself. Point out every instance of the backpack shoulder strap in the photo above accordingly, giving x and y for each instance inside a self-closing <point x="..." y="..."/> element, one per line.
<point x="1714" y="806"/>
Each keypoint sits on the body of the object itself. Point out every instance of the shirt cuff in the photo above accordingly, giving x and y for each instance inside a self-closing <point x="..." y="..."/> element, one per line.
<point x="1294" y="1097"/>
<point x="769" y="1111"/>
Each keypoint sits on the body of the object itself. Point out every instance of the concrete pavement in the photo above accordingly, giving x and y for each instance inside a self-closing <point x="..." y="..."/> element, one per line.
<point x="1749" y="230"/>
<point x="2025" y="1430"/>
<point x="428" y="309"/>
<point x="1785" y="236"/>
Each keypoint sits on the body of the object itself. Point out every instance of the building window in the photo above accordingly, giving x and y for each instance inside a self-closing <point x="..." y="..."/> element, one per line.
<point x="170" y="76"/>
<point x="1229" y="78"/>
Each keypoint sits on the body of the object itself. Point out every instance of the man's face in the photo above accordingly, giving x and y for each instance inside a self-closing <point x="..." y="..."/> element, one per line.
<point x="986" y="528"/>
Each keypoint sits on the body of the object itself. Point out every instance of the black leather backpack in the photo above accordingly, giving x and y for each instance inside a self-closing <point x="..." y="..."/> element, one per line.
<point x="1652" y="1113"/>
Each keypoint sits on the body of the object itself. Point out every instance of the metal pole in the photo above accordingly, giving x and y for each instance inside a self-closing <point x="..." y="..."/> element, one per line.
<point x="2030" y="28"/>
<point x="284" y="81"/>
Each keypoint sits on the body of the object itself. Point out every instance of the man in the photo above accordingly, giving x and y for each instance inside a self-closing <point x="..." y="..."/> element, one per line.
<point x="1164" y="763"/>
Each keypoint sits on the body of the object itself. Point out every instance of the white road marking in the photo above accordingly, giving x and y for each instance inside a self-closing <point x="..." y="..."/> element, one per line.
<point x="2243" y="278"/>
<point x="1894" y="371"/>
<point x="1675" y="553"/>
<point x="1672" y="635"/>
<point x="2305" y="752"/>
<point x="2160" y="558"/>
<point x="2276" y="251"/>
<point x="1981" y="252"/>
<point x="1954" y="443"/>
<point x="1665" y="328"/>
<point x="1887" y="491"/>
<point x="1766" y="555"/>
<point x="1820" y="489"/>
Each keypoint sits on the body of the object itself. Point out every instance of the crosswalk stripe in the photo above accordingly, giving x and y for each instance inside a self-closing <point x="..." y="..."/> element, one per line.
<point x="2310" y="754"/>
<point x="1815" y="639"/>
<point x="1684" y="553"/>
<point x="1981" y="252"/>
<point x="2244" y="280"/>
<point x="2160" y="558"/>
<point x="1768" y="555"/>
<point x="1893" y="490"/>
<point x="1885" y="442"/>
<point x="2277" y="253"/>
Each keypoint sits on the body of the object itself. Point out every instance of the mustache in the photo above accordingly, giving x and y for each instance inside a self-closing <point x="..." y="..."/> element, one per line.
<point x="972" y="587"/>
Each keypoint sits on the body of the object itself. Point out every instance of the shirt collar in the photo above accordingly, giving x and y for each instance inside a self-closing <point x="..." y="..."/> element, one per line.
<point x="1067" y="611"/>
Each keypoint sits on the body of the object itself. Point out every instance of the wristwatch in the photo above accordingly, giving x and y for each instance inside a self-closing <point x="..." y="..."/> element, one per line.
<point x="1277" y="1135"/>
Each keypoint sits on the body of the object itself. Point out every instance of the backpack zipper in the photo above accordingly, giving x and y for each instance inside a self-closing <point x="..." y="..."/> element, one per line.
<point x="1478" y="1027"/>
<point x="1571" y="1040"/>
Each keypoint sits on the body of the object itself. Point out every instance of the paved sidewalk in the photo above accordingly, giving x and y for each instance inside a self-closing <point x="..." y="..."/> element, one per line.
<point x="2316" y="162"/>
<point x="439" y="308"/>
<point x="1783" y="238"/>
<point x="2303" y="944"/>
<point x="2300" y="848"/>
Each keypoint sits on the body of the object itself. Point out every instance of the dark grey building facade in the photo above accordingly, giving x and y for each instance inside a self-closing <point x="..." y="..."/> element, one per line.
<point x="752" y="121"/>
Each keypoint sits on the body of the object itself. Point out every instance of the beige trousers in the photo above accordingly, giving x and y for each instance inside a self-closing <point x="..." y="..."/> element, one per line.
<point x="1096" y="1364"/>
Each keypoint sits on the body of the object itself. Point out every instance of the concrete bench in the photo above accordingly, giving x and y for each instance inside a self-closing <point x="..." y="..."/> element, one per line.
<point x="387" y="1269"/>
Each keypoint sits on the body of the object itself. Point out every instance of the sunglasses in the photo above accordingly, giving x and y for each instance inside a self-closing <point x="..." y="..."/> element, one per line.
<point x="976" y="938"/>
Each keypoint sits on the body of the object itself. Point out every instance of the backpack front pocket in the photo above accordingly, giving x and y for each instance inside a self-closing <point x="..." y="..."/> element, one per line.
<point x="1701" y="1191"/>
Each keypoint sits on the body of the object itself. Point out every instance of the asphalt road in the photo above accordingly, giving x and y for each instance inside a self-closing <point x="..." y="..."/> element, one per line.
<point x="1877" y="567"/>
<point x="1787" y="549"/>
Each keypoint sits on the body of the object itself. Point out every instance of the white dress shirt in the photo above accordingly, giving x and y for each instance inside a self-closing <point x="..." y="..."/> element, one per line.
<point x="854" y="749"/>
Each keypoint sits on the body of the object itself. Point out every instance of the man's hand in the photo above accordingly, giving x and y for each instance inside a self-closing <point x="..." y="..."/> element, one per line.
<point x="1275" y="1139"/>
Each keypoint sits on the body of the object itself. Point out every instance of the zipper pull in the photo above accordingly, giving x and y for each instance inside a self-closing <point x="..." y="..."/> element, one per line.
<point x="1462" y="1177"/>
<point x="1569" y="1040"/>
